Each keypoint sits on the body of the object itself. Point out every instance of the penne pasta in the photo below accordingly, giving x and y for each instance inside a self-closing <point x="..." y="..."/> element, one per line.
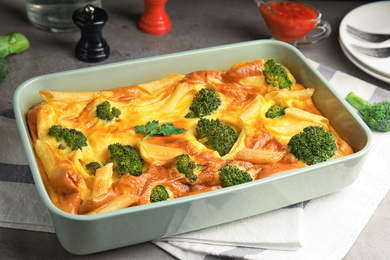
<point x="102" y="180"/>
<point x="121" y="202"/>
<point x="292" y="129"/>
<point x="170" y="104"/>
<point x="302" y="115"/>
<point x="251" y="110"/>
<point x="151" y="152"/>
<point x="157" y="85"/>
<point x="66" y="96"/>
<point x="259" y="156"/>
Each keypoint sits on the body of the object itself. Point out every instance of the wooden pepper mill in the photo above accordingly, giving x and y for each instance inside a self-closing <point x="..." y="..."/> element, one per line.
<point x="91" y="47"/>
<point x="155" y="20"/>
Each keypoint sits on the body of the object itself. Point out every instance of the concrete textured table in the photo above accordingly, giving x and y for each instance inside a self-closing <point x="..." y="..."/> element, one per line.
<point x="195" y="24"/>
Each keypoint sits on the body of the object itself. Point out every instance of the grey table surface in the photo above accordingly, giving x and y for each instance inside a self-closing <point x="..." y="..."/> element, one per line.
<point x="195" y="24"/>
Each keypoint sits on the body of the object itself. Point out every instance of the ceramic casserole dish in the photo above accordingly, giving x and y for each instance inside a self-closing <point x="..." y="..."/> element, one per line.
<point x="85" y="234"/>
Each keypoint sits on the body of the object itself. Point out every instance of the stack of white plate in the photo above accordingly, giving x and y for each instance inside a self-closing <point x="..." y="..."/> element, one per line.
<point x="374" y="18"/>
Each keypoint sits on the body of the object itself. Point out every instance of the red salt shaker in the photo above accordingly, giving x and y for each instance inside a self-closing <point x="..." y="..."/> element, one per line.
<point x="155" y="20"/>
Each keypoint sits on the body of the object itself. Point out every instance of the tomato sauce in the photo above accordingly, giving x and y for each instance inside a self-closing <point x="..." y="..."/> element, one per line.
<point x="288" y="21"/>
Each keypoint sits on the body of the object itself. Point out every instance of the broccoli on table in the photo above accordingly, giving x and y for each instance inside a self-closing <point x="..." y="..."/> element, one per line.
<point x="158" y="193"/>
<point x="11" y="44"/>
<point x="72" y="137"/>
<point x="92" y="167"/>
<point x="376" y="116"/>
<point x="205" y="103"/>
<point x="313" y="145"/>
<point x="217" y="135"/>
<point x="276" y="110"/>
<point x="126" y="159"/>
<point x="230" y="175"/>
<point x="186" y="166"/>
<point x="276" y="75"/>
<point x="104" y="111"/>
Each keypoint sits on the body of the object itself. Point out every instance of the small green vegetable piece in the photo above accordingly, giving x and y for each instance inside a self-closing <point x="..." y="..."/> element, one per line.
<point x="92" y="167"/>
<point x="126" y="159"/>
<point x="230" y="175"/>
<point x="376" y="116"/>
<point x="313" y="145"/>
<point x="205" y="103"/>
<point x="276" y="75"/>
<point x="105" y="112"/>
<point x="152" y="128"/>
<point x="276" y="110"/>
<point x="72" y="137"/>
<point x="9" y="44"/>
<point x="187" y="167"/>
<point x="219" y="136"/>
<point x="158" y="193"/>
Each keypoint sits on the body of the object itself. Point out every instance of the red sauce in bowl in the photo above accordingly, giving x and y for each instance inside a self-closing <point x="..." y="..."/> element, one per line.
<point x="289" y="21"/>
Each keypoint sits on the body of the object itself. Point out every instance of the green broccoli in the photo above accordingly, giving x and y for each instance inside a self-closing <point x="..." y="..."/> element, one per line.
<point x="158" y="193"/>
<point x="92" y="167"/>
<point x="313" y="145"/>
<point x="186" y="166"/>
<point x="126" y="159"/>
<point x="376" y="116"/>
<point x="72" y="137"/>
<point x="105" y="112"/>
<point x="205" y="102"/>
<point x="219" y="136"/>
<point x="230" y="175"/>
<point x="10" y="44"/>
<point x="276" y="75"/>
<point x="276" y="110"/>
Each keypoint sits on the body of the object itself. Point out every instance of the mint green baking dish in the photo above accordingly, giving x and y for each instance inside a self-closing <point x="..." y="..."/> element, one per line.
<point x="94" y="233"/>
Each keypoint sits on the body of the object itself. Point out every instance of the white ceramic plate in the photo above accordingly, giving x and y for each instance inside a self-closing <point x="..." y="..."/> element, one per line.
<point x="373" y="17"/>
<point x="362" y="66"/>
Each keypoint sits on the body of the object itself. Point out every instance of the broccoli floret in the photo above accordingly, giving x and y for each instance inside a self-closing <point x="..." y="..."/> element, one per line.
<point x="187" y="167"/>
<point x="276" y="75"/>
<point x="105" y="112"/>
<point x="230" y="175"/>
<point x="219" y="136"/>
<point x="205" y="102"/>
<point x="72" y="137"/>
<point x="92" y="167"/>
<point x="276" y="110"/>
<point x="10" y="44"/>
<point x="313" y="145"/>
<point x="376" y="116"/>
<point x="126" y="159"/>
<point x="158" y="193"/>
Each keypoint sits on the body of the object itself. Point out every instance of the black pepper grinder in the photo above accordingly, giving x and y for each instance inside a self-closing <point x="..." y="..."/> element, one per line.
<point x="91" y="47"/>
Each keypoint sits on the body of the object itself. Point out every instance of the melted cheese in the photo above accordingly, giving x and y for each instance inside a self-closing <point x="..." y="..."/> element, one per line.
<point x="245" y="98"/>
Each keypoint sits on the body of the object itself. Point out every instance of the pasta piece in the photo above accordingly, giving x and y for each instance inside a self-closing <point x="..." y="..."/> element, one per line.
<point x="151" y="152"/>
<point x="291" y="129"/>
<point x="121" y="202"/>
<point x="174" y="98"/>
<point x="66" y="96"/>
<point x="251" y="110"/>
<point x="307" y="116"/>
<point x="156" y="85"/>
<point x="283" y="95"/>
<point x="256" y="81"/>
<point x="259" y="156"/>
<point x="102" y="180"/>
